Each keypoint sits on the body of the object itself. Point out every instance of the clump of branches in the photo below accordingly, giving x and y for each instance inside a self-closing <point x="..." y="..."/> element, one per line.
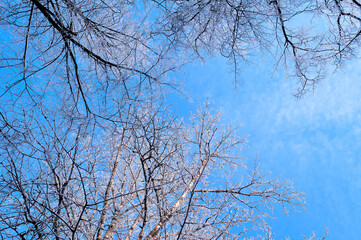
<point x="90" y="150"/>
<point x="152" y="177"/>
<point x="97" y="49"/>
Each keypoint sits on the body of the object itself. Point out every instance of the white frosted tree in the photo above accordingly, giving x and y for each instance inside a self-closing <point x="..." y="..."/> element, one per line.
<point x="148" y="176"/>
<point x="89" y="148"/>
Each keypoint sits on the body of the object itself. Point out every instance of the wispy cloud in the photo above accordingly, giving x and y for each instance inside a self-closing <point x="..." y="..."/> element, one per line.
<point x="315" y="141"/>
<point x="335" y="100"/>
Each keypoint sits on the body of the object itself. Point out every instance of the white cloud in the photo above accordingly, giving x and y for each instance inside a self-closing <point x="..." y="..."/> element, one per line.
<point x="336" y="100"/>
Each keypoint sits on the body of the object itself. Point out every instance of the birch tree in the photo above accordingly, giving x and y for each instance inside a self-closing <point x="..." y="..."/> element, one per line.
<point x="151" y="177"/>
<point x="89" y="148"/>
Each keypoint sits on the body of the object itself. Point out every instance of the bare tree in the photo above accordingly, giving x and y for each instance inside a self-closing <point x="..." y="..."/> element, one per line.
<point x="308" y="37"/>
<point x="89" y="149"/>
<point x="152" y="177"/>
<point x="115" y="46"/>
<point x="88" y="55"/>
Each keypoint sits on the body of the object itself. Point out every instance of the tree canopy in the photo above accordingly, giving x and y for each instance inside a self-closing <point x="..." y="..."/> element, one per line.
<point x="90" y="149"/>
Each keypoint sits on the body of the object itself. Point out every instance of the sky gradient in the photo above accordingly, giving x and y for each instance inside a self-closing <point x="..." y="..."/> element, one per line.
<point x="314" y="141"/>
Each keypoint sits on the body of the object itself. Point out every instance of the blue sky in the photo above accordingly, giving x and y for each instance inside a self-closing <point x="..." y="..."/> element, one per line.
<point x="314" y="141"/>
